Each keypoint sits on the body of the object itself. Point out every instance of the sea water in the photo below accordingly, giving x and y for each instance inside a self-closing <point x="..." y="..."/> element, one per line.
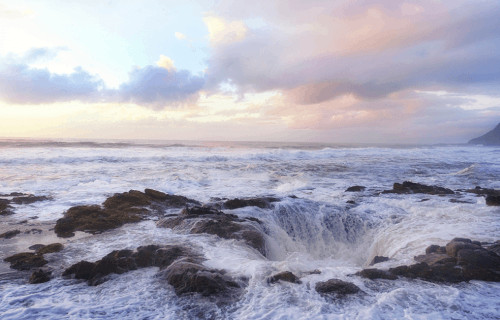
<point x="311" y="228"/>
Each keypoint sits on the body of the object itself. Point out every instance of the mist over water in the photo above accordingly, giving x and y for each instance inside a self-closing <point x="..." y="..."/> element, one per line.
<point x="311" y="228"/>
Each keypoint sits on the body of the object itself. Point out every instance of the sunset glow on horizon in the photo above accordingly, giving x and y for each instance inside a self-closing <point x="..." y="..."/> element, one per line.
<point x="313" y="71"/>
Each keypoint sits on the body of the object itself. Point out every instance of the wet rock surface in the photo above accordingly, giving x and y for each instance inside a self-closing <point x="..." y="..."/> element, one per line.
<point x="50" y="248"/>
<point x="211" y="221"/>
<point x="40" y="276"/>
<point x="30" y="260"/>
<point x="493" y="200"/>
<point x="180" y="267"/>
<point x="284" y="276"/>
<point x="28" y="199"/>
<point x="121" y="261"/>
<point x="187" y="277"/>
<point x="117" y="210"/>
<point x="408" y="187"/>
<point x="336" y="286"/>
<point x="492" y="196"/>
<point x="17" y="198"/>
<point x="26" y="261"/>
<point x="263" y="203"/>
<point x="5" y="207"/>
<point x="460" y="260"/>
<point x="378" y="259"/>
<point x="355" y="189"/>
<point x="10" y="234"/>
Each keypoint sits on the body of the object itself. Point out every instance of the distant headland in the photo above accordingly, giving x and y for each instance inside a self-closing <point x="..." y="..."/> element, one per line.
<point x="491" y="138"/>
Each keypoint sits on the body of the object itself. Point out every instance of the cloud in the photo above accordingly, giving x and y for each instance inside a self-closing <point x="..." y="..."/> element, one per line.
<point x="405" y="116"/>
<point x="166" y="63"/>
<point x="180" y="36"/>
<point x="22" y="84"/>
<point x="224" y="32"/>
<point x="318" y="52"/>
<point x="157" y="87"/>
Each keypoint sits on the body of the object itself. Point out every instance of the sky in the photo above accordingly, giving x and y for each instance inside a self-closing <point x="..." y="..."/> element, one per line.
<point x="347" y="71"/>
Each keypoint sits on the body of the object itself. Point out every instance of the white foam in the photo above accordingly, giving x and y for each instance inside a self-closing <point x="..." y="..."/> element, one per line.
<point x="317" y="231"/>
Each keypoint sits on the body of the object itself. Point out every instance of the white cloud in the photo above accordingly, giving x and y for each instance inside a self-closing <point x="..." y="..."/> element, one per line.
<point x="180" y="36"/>
<point x="223" y="32"/>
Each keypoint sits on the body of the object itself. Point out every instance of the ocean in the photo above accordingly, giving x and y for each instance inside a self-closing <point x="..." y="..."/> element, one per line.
<point x="311" y="228"/>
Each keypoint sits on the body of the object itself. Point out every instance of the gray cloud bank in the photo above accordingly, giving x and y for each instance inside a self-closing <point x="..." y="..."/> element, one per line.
<point x="151" y="86"/>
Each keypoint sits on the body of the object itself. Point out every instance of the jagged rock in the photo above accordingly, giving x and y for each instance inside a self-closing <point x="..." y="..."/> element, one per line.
<point x="378" y="259"/>
<point x="26" y="261"/>
<point x="263" y="203"/>
<point x="5" y="208"/>
<point x="121" y="208"/>
<point x="284" y="276"/>
<point x="491" y="138"/>
<point x="36" y="246"/>
<point x="10" y="234"/>
<point x="492" y="195"/>
<point x="460" y="260"/>
<point x="408" y="187"/>
<point x="493" y="200"/>
<point x="494" y="247"/>
<point x="200" y="211"/>
<point x="50" y="248"/>
<point x="376" y="274"/>
<point x="92" y="219"/>
<point x="121" y="261"/>
<point x="40" y="276"/>
<point x="457" y="244"/>
<point x="336" y="286"/>
<point x="181" y="267"/>
<point x="228" y="226"/>
<point x="483" y="191"/>
<point x="80" y="270"/>
<point x="188" y="277"/>
<point x="435" y="249"/>
<point x="28" y="199"/>
<point x="33" y="231"/>
<point x="355" y="189"/>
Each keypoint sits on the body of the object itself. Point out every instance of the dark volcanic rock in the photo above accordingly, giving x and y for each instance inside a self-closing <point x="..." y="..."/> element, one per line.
<point x="121" y="261"/>
<point x="181" y="268"/>
<point x="336" y="286"/>
<point x="493" y="200"/>
<point x="121" y="208"/>
<point x="50" y="248"/>
<point x="491" y="138"/>
<point x="435" y="249"/>
<point x="461" y="260"/>
<point x="376" y="274"/>
<point x="28" y="198"/>
<point x="408" y="187"/>
<point x="378" y="259"/>
<point x="355" y="189"/>
<point x="188" y="277"/>
<point x="263" y="203"/>
<point x="92" y="219"/>
<point x="494" y="247"/>
<point x="5" y="208"/>
<point x="40" y="276"/>
<point x="26" y="261"/>
<point x="10" y="234"/>
<point x="492" y="195"/>
<point x="80" y="270"/>
<point x="284" y="276"/>
<point x="36" y="246"/>
<point x="228" y="226"/>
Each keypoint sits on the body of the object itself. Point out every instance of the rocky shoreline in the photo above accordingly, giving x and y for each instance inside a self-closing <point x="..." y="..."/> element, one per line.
<point x="461" y="260"/>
